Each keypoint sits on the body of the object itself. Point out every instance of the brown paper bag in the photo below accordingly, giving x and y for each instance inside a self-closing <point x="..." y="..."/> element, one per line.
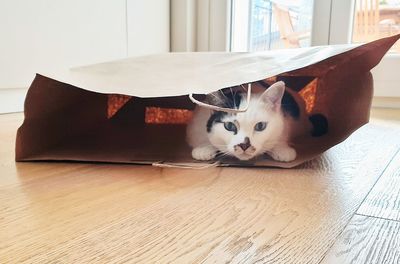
<point x="135" y="110"/>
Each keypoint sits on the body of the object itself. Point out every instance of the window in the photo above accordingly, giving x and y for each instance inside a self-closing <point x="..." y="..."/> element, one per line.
<point x="268" y="24"/>
<point x="275" y="24"/>
<point x="375" y="19"/>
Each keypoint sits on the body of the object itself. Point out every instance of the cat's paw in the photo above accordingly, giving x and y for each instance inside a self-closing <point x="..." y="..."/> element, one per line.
<point x="204" y="153"/>
<point x="283" y="153"/>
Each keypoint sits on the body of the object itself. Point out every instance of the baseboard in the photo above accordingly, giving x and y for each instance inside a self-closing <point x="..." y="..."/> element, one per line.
<point x="386" y="102"/>
<point x="12" y="100"/>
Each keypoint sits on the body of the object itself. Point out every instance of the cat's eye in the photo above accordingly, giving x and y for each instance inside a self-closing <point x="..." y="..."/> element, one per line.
<point x="260" y="126"/>
<point x="230" y="126"/>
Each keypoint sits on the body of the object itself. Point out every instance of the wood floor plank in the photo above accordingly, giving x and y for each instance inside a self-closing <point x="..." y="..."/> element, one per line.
<point x="79" y="212"/>
<point x="384" y="199"/>
<point x="367" y="240"/>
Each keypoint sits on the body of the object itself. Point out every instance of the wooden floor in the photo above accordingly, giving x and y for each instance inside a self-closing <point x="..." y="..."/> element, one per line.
<point x="343" y="207"/>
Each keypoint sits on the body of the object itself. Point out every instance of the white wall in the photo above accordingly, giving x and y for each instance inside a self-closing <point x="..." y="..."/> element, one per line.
<point x="42" y="35"/>
<point x="148" y="26"/>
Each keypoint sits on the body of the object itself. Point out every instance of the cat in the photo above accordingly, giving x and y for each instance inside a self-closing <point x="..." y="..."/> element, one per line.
<point x="263" y="128"/>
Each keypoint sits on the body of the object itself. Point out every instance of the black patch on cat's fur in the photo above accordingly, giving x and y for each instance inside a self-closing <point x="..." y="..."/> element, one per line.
<point x="227" y="98"/>
<point x="288" y="105"/>
<point x="234" y="99"/>
<point x="320" y="125"/>
<point x="215" y="117"/>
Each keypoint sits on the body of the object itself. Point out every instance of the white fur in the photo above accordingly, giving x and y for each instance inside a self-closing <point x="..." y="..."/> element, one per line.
<point x="263" y="107"/>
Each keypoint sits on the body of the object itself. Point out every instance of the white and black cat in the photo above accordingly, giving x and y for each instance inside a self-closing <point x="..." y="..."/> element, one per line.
<point x="264" y="128"/>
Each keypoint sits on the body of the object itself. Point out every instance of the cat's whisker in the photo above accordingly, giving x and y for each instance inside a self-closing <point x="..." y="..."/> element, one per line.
<point x="233" y="97"/>
<point x="268" y="149"/>
<point x="216" y="97"/>
<point x="227" y="99"/>
<point x="214" y="145"/>
<point x="223" y="154"/>
<point x="271" y="145"/>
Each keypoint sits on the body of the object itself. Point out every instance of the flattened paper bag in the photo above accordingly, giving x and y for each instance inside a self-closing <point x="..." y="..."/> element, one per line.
<point x="135" y="110"/>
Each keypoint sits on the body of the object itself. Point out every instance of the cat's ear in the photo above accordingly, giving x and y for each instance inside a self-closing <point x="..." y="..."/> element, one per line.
<point x="274" y="93"/>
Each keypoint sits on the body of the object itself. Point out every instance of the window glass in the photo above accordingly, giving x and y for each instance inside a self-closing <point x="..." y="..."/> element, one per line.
<point x="375" y="19"/>
<point x="271" y="24"/>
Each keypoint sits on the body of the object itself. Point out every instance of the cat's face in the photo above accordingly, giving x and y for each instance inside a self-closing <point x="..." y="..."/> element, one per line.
<point x="248" y="134"/>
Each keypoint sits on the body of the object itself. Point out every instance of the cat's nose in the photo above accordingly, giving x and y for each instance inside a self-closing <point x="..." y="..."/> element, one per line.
<point x="246" y="144"/>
